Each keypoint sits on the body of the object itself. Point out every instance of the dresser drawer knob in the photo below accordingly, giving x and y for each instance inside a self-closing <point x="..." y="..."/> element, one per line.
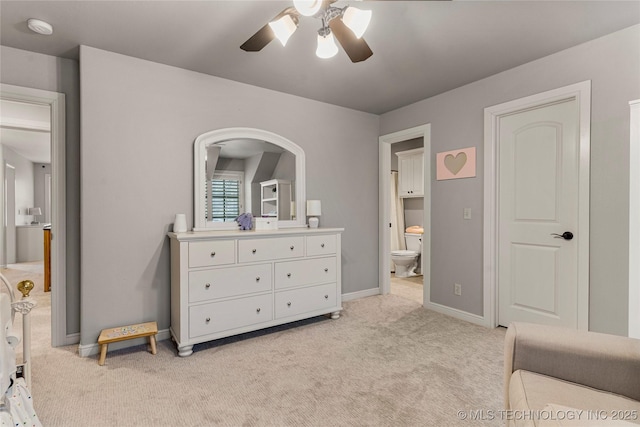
<point x="208" y="285"/>
<point x="288" y="274"/>
<point x="326" y="270"/>
<point x="258" y="310"/>
<point x="208" y="319"/>
<point x="326" y="297"/>
<point x="291" y="247"/>
<point x="322" y="245"/>
<point x="253" y="251"/>
<point x="288" y="304"/>
<point x="258" y="279"/>
<point x="213" y="254"/>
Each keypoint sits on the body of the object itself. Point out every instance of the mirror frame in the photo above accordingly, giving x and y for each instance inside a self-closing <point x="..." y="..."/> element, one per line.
<point x="215" y="136"/>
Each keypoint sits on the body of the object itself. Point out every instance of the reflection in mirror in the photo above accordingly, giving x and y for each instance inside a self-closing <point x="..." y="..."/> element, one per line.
<point x="237" y="175"/>
<point x="248" y="175"/>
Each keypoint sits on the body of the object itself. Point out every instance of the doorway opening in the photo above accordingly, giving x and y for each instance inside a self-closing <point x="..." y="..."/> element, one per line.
<point x="402" y="211"/>
<point x="32" y="128"/>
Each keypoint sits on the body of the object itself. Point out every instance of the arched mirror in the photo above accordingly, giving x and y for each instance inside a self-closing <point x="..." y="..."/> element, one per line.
<point x="240" y="170"/>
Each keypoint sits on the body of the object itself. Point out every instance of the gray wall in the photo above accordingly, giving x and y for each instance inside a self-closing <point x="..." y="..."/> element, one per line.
<point x="612" y="63"/>
<point x="139" y="123"/>
<point x="141" y="118"/>
<point x="34" y="70"/>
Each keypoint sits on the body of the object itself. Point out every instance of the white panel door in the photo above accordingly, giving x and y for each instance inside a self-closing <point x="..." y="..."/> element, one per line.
<point x="538" y="204"/>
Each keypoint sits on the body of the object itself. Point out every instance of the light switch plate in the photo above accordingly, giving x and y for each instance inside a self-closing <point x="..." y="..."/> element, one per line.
<point x="466" y="213"/>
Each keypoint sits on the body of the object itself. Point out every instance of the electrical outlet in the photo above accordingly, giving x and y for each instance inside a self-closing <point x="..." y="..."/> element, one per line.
<point x="466" y="213"/>
<point x="457" y="289"/>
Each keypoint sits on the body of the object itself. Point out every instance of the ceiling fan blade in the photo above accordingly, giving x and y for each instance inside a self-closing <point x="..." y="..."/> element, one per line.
<point x="357" y="49"/>
<point x="259" y="40"/>
<point x="265" y="35"/>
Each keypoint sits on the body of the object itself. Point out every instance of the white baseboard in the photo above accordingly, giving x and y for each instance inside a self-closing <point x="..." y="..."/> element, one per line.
<point x="458" y="314"/>
<point x="71" y="339"/>
<point x="92" y="349"/>
<point x="360" y="294"/>
<point x="453" y="312"/>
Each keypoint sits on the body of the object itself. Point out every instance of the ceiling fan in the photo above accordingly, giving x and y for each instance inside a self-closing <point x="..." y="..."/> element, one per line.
<point x="347" y="24"/>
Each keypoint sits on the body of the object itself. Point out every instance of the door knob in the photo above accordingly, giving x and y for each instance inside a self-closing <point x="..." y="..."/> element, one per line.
<point x="567" y="235"/>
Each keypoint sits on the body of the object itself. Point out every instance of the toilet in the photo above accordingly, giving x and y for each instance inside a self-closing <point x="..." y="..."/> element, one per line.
<point x="406" y="261"/>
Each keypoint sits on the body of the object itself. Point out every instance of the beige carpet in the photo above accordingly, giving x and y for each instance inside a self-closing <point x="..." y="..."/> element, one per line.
<point x="385" y="362"/>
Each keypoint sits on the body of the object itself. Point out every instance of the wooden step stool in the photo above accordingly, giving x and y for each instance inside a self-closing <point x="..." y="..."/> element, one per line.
<point x="122" y="333"/>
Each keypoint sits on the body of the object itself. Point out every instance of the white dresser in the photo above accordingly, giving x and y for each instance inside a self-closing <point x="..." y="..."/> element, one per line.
<point x="229" y="282"/>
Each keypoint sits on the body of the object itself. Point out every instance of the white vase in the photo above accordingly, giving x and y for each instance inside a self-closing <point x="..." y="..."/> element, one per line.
<point x="180" y="223"/>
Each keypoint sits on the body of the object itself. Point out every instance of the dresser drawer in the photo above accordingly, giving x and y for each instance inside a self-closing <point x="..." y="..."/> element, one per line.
<point x="227" y="282"/>
<point x="321" y="245"/>
<point x="298" y="301"/>
<point x="225" y="315"/>
<point x="212" y="253"/>
<point x="305" y="272"/>
<point x="254" y="250"/>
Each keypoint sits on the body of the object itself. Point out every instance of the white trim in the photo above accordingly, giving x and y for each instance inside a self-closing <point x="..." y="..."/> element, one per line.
<point x="360" y="294"/>
<point x="211" y="137"/>
<point x="582" y="93"/>
<point x="20" y="124"/>
<point x="634" y="222"/>
<point x="4" y="223"/>
<point x="456" y="313"/>
<point x="72" y="339"/>
<point x="56" y="101"/>
<point x="384" y="191"/>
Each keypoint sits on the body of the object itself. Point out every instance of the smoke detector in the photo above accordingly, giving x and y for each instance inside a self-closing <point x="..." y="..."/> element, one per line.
<point x="40" y="27"/>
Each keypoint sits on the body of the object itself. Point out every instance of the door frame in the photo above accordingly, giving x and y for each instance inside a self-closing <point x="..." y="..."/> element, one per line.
<point x="384" y="198"/>
<point x="56" y="101"/>
<point x="7" y="207"/>
<point x="581" y="92"/>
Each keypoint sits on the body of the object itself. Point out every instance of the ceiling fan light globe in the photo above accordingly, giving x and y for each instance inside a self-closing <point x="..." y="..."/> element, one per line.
<point x="307" y="7"/>
<point x="327" y="47"/>
<point x="283" y="28"/>
<point x="356" y="20"/>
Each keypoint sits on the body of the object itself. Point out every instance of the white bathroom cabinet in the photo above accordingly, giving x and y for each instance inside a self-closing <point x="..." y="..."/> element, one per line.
<point x="275" y="200"/>
<point x="411" y="173"/>
<point x="230" y="282"/>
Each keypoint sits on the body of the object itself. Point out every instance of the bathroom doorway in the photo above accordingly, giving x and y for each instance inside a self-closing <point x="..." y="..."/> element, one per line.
<point x="413" y="212"/>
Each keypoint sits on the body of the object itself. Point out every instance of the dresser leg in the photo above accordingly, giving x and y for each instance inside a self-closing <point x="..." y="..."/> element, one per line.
<point x="335" y="315"/>
<point x="185" y="350"/>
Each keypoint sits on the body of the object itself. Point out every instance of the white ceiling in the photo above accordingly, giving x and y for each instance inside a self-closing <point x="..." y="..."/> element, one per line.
<point x="26" y="129"/>
<point x="245" y="148"/>
<point x="421" y="48"/>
